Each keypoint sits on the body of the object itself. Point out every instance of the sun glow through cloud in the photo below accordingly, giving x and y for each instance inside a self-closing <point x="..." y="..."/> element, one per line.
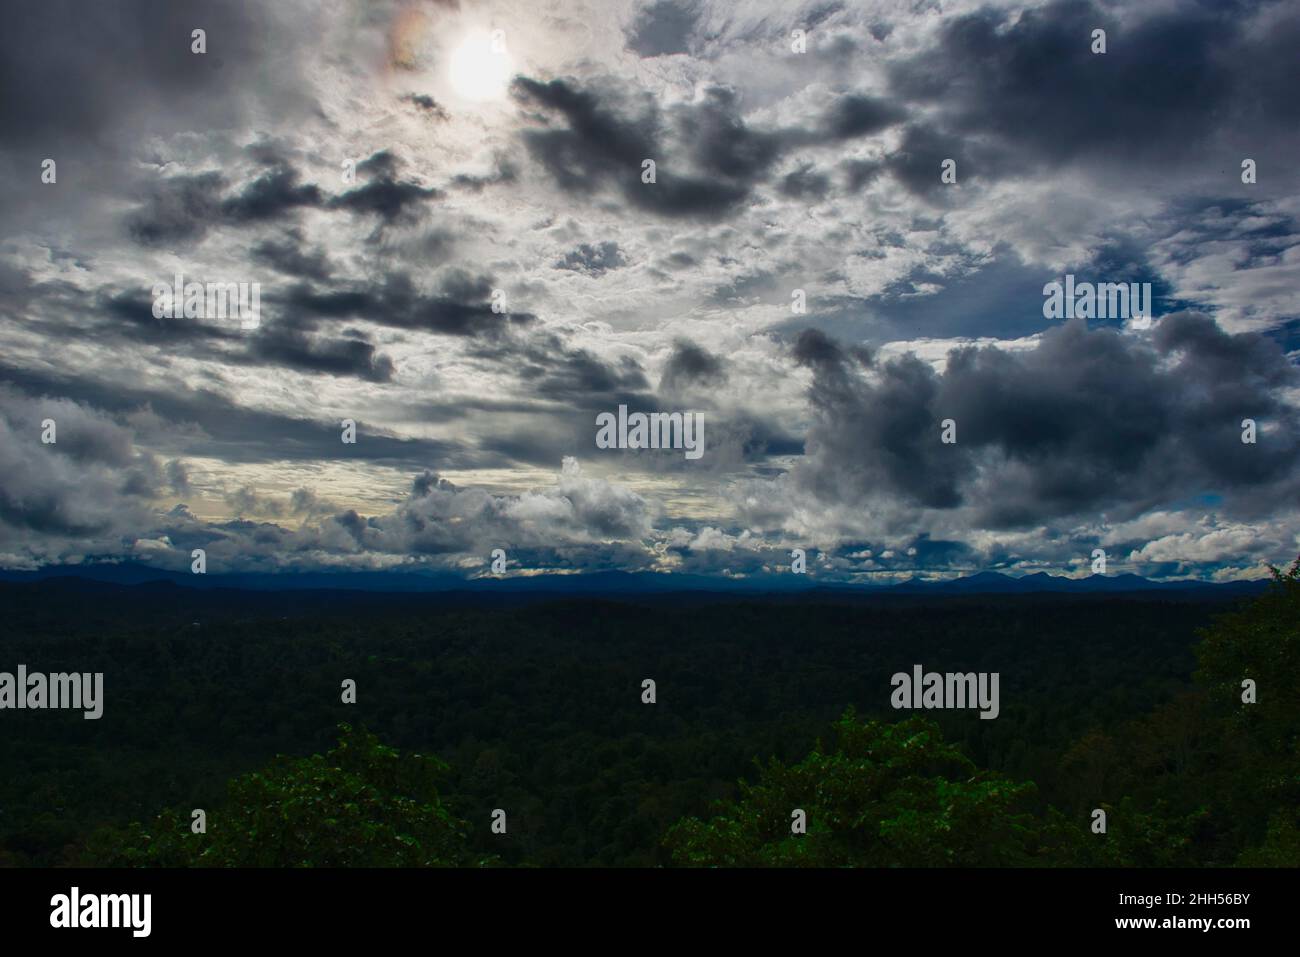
<point x="480" y="67"/>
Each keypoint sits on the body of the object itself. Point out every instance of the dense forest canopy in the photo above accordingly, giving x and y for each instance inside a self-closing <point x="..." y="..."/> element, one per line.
<point x="1129" y="705"/>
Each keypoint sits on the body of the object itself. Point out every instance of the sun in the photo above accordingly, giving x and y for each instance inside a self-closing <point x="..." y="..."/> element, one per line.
<point x="480" y="67"/>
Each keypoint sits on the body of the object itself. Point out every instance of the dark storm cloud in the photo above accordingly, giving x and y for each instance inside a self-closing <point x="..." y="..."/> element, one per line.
<point x="462" y="307"/>
<point x="1088" y="420"/>
<point x="722" y="143"/>
<point x="814" y="348"/>
<point x="235" y="433"/>
<point x="130" y="317"/>
<point x="1170" y="82"/>
<point x="427" y="105"/>
<point x="708" y="159"/>
<point x="185" y="207"/>
<point x="126" y="317"/>
<point x="600" y="146"/>
<point x="918" y="161"/>
<point x="91" y="86"/>
<point x="384" y="195"/>
<point x="584" y="379"/>
<point x="84" y="483"/>
<point x="178" y="208"/>
<point x="289" y="336"/>
<point x="557" y="372"/>
<point x="805" y="183"/>
<point x="270" y="196"/>
<point x="856" y="115"/>
<point x="342" y="357"/>
<point x="691" y="365"/>
<point x="84" y="71"/>
<point x="663" y="27"/>
<point x="571" y="385"/>
<point x="564" y="387"/>
<point x="860" y="173"/>
<point x="111" y="316"/>
<point x="594" y="260"/>
<point x="744" y="437"/>
<point x="289" y="256"/>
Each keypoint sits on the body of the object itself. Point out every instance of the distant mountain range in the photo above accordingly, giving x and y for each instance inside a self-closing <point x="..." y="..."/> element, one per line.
<point x="623" y="583"/>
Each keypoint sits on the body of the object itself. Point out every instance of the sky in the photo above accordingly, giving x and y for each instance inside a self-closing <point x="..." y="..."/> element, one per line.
<point x="446" y="209"/>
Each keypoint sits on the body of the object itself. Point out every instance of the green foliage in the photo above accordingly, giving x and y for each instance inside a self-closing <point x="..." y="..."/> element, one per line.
<point x="1281" y="847"/>
<point x="361" y="805"/>
<point x="1260" y="641"/>
<point x="897" y="795"/>
<point x="1256" y="772"/>
<point x="1103" y="714"/>
<point x="1135" y="837"/>
<point x="888" y="795"/>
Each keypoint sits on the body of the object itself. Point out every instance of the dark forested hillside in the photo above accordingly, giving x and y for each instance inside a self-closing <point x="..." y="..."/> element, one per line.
<point x="537" y="709"/>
